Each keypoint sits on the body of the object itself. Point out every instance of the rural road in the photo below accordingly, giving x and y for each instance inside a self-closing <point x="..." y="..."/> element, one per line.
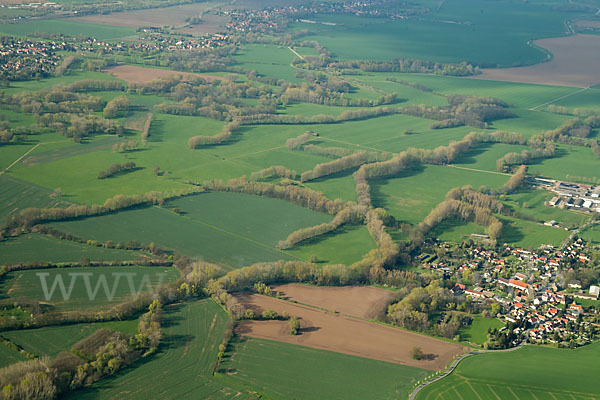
<point x="20" y="158"/>
<point x="454" y="364"/>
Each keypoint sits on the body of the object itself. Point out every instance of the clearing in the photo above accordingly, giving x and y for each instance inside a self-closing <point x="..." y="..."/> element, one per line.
<point x="348" y="335"/>
<point x="576" y="63"/>
<point x="358" y="301"/>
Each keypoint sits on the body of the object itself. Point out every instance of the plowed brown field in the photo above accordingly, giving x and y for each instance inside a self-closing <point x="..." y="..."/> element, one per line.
<point x="576" y="63"/>
<point x="358" y="301"/>
<point x="334" y="332"/>
<point x="134" y="73"/>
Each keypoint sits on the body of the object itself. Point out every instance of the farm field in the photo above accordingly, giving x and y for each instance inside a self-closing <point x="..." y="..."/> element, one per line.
<point x="249" y="232"/>
<point x="134" y="73"/>
<point x="453" y="230"/>
<point x="165" y="16"/>
<point x="592" y="234"/>
<point x="560" y="70"/>
<point x="570" y="163"/>
<point x="66" y="27"/>
<point x="16" y="195"/>
<point x="346" y="245"/>
<point x="9" y="356"/>
<point x="42" y="248"/>
<point x="192" y="333"/>
<point x="51" y="340"/>
<point x="329" y="331"/>
<point x="530" y="235"/>
<point x="408" y="200"/>
<point x="281" y="370"/>
<point x="106" y="287"/>
<point x="529" y="372"/>
<point x="358" y="301"/>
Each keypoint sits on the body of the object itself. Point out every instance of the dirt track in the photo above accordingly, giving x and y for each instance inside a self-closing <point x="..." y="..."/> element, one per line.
<point x="136" y="74"/>
<point x="576" y="63"/>
<point x="328" y="331"/>
<point x="359" y="301"/>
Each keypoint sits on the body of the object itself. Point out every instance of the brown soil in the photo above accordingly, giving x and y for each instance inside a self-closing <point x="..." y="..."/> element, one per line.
<point x="358" y="301"/>
<point x="588" y="24"/>
<point x="158" y="17"/>
<point x="576" y="63"/>
<point x="334" y="332"/>
<point x="137" y="74"/>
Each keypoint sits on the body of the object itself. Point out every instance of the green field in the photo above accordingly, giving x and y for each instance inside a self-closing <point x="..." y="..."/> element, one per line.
<point x="51" y="340"/>
<point x="36" y="247"/>
<point x="32" y="29"/>
<point x="532" y="372"/>
<point x="471" y="25"/>
<point x="453" y="230"/>
<point x="571" y="163"/>
<point x="16" y="195"/>
<point x="592" y="234"/>
<point x="345" y="245"/>
<point x="9" y="356"/>
<point x="270" y="60"/>
<point x="477" y="331"/>
<point x="106" y="289"/>
<point x="284" y="371"/>
<point x="484" y="156"/>
<point x="228" y="228"/>
<point x="181" y="368"/>
<point x="530" y="235"/>
<point x="413" y="194"/>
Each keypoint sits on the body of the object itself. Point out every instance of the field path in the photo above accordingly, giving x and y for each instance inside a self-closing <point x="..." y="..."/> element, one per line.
<point x="296" y="53"/>
<point x="478" y="170"/>
<point x="453" y="366"/>
<point x="20" y="158"/>
<point x="559" y="98"/>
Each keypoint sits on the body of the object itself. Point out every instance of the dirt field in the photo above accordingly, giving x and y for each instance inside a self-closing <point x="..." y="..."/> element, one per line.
<point x="134" y="73"/>
<point x="359" y="301"/>
<point x="576" y="63"/>
<point x="328" y="331"/>
<point x="588" y="24"/>
<point x="158" y="17"/>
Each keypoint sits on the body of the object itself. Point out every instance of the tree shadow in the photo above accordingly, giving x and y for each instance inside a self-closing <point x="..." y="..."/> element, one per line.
<point x="156" y="131"/>
<point x="429" y="357"/>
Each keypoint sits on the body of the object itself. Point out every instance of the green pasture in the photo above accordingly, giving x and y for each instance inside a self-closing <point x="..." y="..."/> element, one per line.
<point x="530" y="235"/>
<point x="477" y="330"/>
<point x="51" y="340"/>
<point x="46" y="83"/>
<point x="452" y="230"/>
<point x="412" y="194"/>
<point x="345" y="245"/>
<point x="287" y="371"/>
<point x="229" y="228"/>
<point x="570" y="163"/>
<point x="592" y="234"/>
<point x="519" y="95"/>
<point x="36" y="247"/>
<point x="408" y="93"/>
<point x="485" y="155"/>
<point x="63" y="26"/>
<point x="336" y="186"/>
<point x="192" y="333"/>
<point x="589" y="99"/>
<point x="530" y="203"/>
<point x="269" y="60"/>
<point x="106" y="288"/>
<point x="532" y="372"/>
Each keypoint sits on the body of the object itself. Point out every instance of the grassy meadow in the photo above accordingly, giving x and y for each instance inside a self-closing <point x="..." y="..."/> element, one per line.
<point x="528" y="373"/>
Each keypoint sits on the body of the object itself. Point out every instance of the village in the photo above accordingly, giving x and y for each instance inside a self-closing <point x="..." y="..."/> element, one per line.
<point x="548" y="296"/>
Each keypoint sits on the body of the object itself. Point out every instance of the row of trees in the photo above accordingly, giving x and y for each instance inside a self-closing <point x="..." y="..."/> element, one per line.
<point x="276" y="171"/>
<point x="116" y="169"/>
<point x="352" y="214"/>
<point x="341" y="164"/>
<point x="225" y="133"/>
<point x="116" y="107"/>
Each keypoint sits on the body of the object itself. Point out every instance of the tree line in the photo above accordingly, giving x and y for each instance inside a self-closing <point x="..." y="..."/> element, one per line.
<point x="198" y="141"/>
<point x="115" y="169"/>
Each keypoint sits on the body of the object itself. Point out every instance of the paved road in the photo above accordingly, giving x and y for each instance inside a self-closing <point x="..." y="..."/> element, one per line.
<point x="452" y="366"/>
